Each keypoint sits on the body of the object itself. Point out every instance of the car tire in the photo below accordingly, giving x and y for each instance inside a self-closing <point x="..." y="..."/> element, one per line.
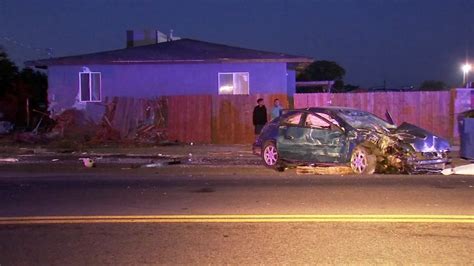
<point x="363" y="162"/>
<point x="271" y="157"/>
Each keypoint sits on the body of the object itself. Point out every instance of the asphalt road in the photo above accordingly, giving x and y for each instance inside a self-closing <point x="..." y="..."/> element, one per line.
<point x="147" y="216"/>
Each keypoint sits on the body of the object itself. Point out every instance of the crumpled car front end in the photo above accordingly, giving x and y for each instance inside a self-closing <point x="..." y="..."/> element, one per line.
<point x="406" y="149"/>
<point x="409" y="149"/>
<point x="426" y="151"/>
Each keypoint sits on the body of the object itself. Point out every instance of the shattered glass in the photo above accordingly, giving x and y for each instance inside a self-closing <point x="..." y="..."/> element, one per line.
<point x="360" y="119"/>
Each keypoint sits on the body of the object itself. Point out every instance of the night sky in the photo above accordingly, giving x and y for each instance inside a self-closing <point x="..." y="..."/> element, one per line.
<point x="401" y="41"/>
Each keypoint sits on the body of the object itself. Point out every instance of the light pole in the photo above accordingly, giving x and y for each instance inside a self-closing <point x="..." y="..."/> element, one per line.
<point x="465" y="70"/>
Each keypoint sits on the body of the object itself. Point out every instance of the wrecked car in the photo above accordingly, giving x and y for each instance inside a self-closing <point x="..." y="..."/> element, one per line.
<point x="346" y="136"/>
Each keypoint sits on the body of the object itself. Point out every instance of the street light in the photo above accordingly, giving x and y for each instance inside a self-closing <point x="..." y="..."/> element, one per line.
<point x="465" y="70"/>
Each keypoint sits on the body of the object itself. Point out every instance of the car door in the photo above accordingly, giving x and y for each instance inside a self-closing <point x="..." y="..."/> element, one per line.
<point x="325" y="141"/>
<point x="291" y="137"/>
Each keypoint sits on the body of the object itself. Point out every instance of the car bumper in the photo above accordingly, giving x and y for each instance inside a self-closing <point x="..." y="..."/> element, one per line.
<point x="428" y="165"/>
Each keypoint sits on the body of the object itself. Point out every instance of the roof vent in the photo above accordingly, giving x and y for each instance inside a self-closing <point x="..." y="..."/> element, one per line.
<point x="146" y="37"/>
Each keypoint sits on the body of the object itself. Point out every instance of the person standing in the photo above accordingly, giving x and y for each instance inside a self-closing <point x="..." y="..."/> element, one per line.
<point x="276" y="111"/>
<point x="259" y="116"/>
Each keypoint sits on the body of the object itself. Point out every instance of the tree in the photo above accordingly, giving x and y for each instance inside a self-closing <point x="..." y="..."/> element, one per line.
<point x="321" y="70"/>
<point x="350" y="87"/>
<point x="36" y="84"/>
<point x="431" y="85"/>
<point x="8" y="73"/>
<point x="18" y="86"/>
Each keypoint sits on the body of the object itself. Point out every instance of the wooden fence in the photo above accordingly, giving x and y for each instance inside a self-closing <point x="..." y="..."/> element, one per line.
<point x="216" y="119"/>
<point x="432" y="110"/>
<point x="232" y="116"/>
<point x="228" y="119"/>
<point x="196" y="118"/>
<point x="189" y="118"/>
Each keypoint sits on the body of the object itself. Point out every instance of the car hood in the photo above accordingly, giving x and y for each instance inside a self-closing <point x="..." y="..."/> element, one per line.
<point x="420" y="139"/>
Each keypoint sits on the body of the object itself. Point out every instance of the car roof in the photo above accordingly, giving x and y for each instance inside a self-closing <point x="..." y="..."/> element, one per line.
<point x="330" y="108"/>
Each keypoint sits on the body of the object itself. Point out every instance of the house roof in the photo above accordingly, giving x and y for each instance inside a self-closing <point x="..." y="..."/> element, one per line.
<point x="179" y="51"/>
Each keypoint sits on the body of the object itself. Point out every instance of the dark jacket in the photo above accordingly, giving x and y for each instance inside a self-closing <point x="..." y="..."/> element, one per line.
<point x="260" y="115"/>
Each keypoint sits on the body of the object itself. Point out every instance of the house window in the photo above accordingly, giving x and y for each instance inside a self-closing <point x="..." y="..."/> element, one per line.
<point x="90" y="86"/>
<point x="234" y="83"/>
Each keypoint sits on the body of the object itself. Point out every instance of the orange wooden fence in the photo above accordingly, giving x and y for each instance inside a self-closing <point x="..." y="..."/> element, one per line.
<point x="215" y="119"/>
<point x="232" y="116"/>
<point x="228" y="119"/>
<point x="189" y="118"/>
<point x="431" y="110"/>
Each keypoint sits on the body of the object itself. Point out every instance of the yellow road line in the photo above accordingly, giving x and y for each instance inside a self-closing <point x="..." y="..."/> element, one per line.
<point x="235" y="218"/>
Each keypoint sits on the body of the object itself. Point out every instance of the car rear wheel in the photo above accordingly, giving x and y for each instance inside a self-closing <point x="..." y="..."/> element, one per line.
<point x="362" y="161"/>
<point x="271" y="157"/>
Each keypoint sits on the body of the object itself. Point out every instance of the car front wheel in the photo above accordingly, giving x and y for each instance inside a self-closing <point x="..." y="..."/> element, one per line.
<point x="362" y="161"/>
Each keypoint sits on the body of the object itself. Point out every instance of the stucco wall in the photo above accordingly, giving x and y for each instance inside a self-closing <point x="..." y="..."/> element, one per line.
<point x="146" y="80"/>
<point x="291" y="82"/>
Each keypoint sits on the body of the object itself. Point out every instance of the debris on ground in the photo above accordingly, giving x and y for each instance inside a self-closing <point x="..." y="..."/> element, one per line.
<point x="174" y="162"/>
<point x="9" y="160"/>
<point x="73" y="124"/>
<point x="29" y="138"/>
<point x="324" y="170"/>
<point x="105" y="134"/>
<point x="142" y="121"/>
<point x="88" y="162"/>
<point x="125" y="120"/>
<point x="152" y="165"/>
<point x="334" y="170"/>
<point x="467" y="169"/>
<point x="161" y="164"/>
<point x="149" y="134"/>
